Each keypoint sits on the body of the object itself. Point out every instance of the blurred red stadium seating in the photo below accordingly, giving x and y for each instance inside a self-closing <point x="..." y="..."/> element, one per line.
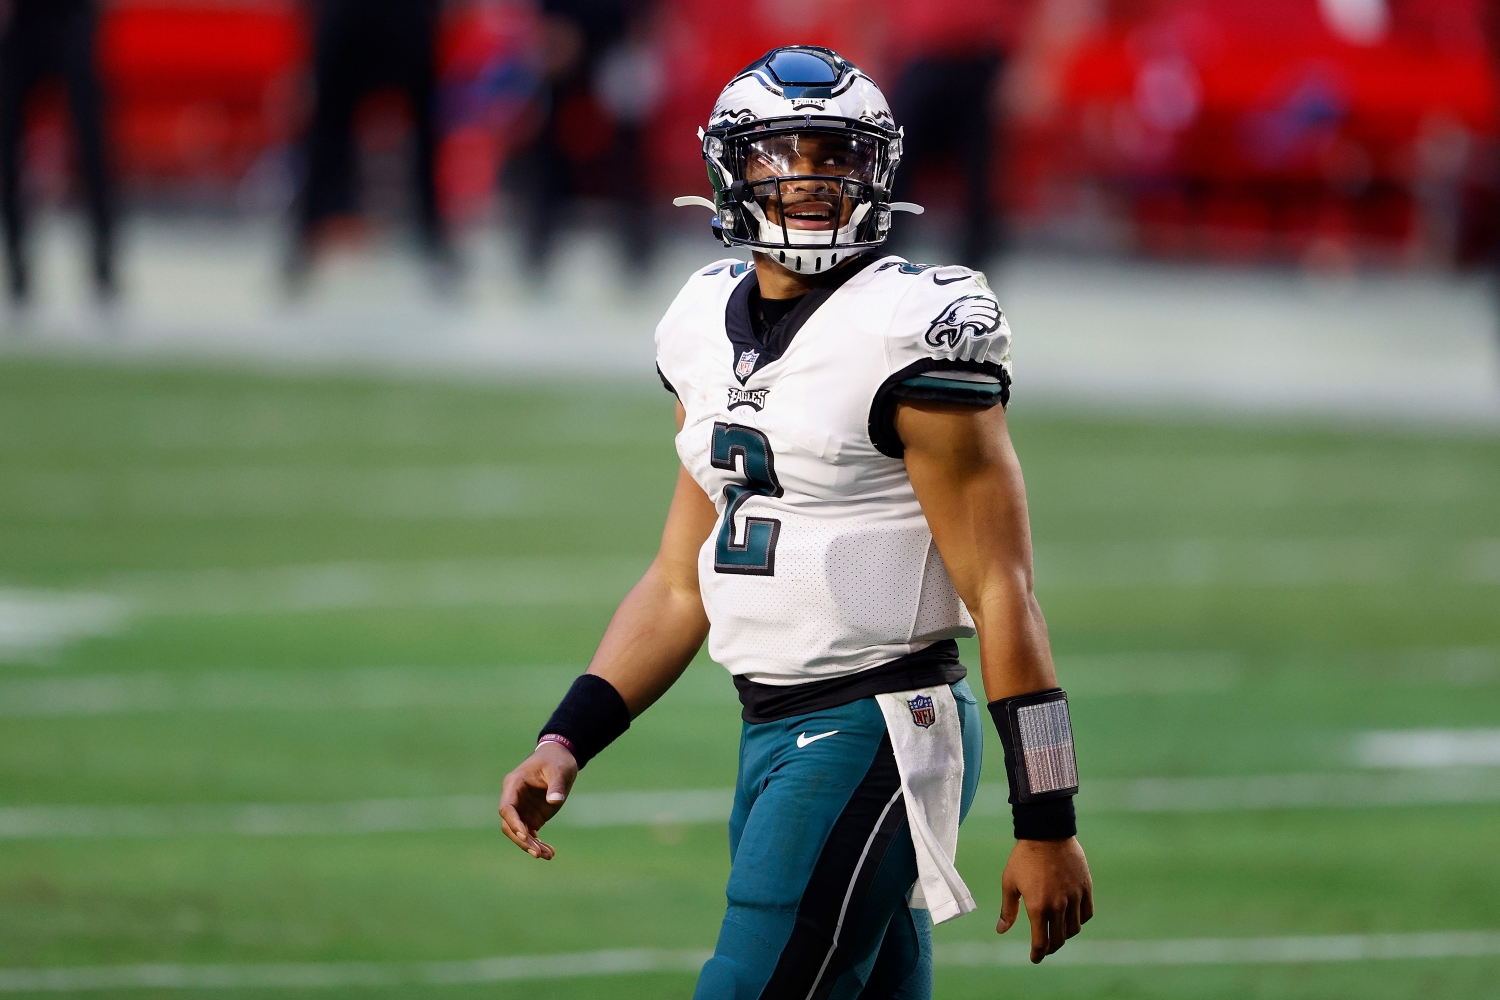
<point x="199" y="91"/>
<point x="1226" y="116"/>
<point x="1243" y="129"/>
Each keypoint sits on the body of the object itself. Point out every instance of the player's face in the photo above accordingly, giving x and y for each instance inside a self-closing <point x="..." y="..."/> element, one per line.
<point x="816" y="160"/>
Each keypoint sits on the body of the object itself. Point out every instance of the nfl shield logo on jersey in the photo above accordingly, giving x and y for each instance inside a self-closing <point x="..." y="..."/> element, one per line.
<point x="922" y="712"/>
<point x="746" y="367"/>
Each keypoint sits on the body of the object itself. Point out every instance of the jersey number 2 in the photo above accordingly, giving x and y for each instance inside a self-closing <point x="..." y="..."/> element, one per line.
<point x="754" y="554"/>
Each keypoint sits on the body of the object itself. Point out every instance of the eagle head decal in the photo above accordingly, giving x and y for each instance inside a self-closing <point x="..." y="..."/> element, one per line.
<point x="965" y="325"/>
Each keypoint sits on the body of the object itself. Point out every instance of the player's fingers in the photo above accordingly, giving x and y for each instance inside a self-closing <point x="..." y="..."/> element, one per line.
<point x="1074" y="921"/>
<point x="557" y="788"/>
<point x="513" y="826"/>
<point x="1057" y="928"/>
<point x="521" y="833"/>
<point x="1010" y="904"/>
<point x="1038" y="920"/>
<point x="1086" y="908"/>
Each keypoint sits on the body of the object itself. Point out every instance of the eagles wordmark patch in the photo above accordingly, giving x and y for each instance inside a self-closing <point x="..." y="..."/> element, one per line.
<point x="922" y="711"/>
<point x="753" y="398"/>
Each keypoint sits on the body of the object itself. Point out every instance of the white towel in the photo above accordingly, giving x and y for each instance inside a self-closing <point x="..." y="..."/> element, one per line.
<point x="929" y="750"/>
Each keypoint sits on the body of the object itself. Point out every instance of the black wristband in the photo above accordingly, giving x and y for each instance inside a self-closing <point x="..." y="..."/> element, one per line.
<point x="1052" y="819"/>
<point x="591" y="716"/>
<point x="1038" y="815"/>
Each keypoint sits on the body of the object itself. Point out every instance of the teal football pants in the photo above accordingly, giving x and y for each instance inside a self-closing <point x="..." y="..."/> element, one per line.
<point x="822" y="861"/>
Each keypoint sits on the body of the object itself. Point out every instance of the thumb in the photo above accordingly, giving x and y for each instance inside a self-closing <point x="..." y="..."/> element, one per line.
<point x="557" y="789"/>
<point x="1010" y="904"/>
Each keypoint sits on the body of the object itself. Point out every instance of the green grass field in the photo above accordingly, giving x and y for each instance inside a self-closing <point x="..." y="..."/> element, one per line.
<point x="221" y="588"/>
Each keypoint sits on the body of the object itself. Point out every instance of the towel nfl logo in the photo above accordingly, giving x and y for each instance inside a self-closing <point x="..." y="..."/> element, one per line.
<point x="922" y="712"/>
<point x="746" y="367"/>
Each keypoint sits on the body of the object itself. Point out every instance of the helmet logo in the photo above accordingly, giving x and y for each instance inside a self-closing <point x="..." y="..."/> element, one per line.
<point x="809" y="104"/>
<point x="737" y="116"/>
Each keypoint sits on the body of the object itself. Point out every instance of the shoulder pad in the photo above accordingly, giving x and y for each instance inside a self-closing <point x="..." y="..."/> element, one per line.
<point x="956" y="319"/>
<point x="937" y="275"/>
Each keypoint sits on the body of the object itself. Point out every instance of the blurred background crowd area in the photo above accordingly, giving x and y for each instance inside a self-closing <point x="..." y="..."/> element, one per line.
<point x="1328" y="134"/>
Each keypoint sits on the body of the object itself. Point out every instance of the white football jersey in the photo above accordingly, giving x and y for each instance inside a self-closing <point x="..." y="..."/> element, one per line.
<point x="822" y="563"/>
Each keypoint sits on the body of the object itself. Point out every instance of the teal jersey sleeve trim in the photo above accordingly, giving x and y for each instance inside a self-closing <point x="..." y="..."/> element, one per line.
<point x="980" y="384"/>
<point x="952" y="389"/>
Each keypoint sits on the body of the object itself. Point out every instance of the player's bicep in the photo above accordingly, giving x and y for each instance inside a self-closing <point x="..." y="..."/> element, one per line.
<point x="968" y="480"/>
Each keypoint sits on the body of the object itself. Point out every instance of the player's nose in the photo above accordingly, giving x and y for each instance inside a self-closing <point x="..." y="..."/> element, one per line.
<point x="807" y="185"/>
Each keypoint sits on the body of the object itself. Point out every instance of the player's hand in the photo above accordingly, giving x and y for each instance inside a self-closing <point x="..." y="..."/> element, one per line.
<point x="533" y="793"/>
<point x="1053" y="877"/>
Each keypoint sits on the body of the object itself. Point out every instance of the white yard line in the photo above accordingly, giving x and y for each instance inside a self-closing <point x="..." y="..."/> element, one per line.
<point x="504" y="968"/>
<point x="1235" y="951"/>
<point x="1253" y="562"/>
<point x="305" y="975"/>
<point x="519" y="582"/>
<point x="457" y="492"/>
<point x="1429" y="748"/>
<point x="34" y="623"/>
<point x="1094" y="675"/>
<point x="1151" y="673"/>
<point x="316" y="689"/>
<point x="1456" y="786"/>
<point x="111" y="602"/>
<point x="1266" y="562"/>
<point x="289" y="690"/>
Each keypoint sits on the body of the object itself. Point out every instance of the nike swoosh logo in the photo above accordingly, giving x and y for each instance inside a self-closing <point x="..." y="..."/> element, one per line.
<point x="939" y="281"/>
<point x="803" y="739"/>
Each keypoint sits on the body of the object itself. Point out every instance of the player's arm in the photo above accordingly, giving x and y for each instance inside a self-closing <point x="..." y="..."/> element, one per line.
<point x="653" y="636"/>
<point x="968" y="480"/>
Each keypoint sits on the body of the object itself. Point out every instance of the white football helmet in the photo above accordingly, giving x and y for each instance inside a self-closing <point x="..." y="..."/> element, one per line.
<point x="801" y="150"/>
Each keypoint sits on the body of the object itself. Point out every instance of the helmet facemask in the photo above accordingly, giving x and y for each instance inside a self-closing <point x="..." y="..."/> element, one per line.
<point x="808" y="193"/>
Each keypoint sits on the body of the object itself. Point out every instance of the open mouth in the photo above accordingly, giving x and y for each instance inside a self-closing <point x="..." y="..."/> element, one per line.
<point x="810" y="215"/>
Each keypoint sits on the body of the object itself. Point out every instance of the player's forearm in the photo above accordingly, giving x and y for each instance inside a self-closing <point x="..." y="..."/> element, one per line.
<point x="653" y="636"/>
<point x="1014" y="653"/>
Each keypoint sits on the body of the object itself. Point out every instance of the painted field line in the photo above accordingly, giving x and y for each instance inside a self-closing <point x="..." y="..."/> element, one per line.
<point x="523" y="582"/>
<point x="1266" y="562"/>
<point x="1451" y="786"/>
<point x="306" y="975"/>
<point x="289" y="690"/>
<point x="1429" y="748"/>
<point x="1081" y="951"/>
<point x="1456" y="786"/>
<point x="1093" y="675"/>
<point x="1235" y="951"/>
<point x="321" y="689"/>
<point x="270" y="491"/>
<point x="367" y="816"/>
<point x="35" y="622"/>
<point x="445" y="583"/>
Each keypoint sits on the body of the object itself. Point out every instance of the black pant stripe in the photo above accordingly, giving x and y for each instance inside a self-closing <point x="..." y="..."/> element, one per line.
<point x="834" y="898"/>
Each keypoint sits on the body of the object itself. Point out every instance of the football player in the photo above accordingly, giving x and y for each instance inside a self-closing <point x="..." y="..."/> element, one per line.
<point x="848" y="504"/>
